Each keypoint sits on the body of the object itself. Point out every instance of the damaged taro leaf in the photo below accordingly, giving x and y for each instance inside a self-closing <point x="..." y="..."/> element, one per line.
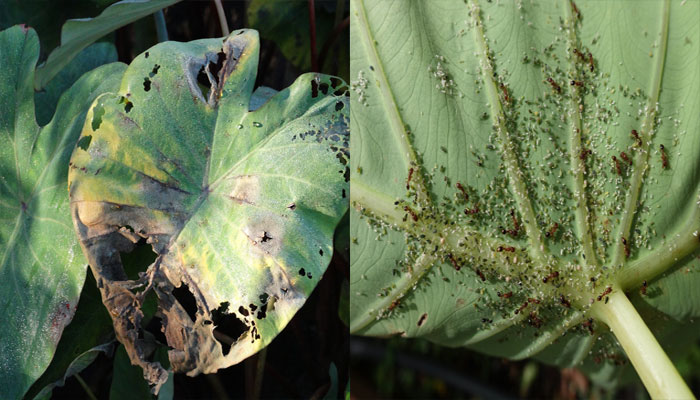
<point x="41" y="266"/>
<point x="235" y="202"/>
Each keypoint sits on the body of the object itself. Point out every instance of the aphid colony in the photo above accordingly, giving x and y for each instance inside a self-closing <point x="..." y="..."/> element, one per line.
<point x="540" y="137"/>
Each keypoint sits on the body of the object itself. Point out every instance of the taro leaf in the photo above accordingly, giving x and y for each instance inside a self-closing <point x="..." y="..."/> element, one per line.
<point x="239" y="205"/>
<point x="89" y="333"/>
<point x="498" y="188"/>
<point x="77" y="34"/>
<point x="92" y="57"/>
<point x="41" y="267"/>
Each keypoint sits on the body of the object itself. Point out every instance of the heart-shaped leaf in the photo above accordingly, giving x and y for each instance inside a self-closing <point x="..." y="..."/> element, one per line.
<point x="239" y="205"/>
<point x="41" y="267"/>
<point x="517" y="164"/>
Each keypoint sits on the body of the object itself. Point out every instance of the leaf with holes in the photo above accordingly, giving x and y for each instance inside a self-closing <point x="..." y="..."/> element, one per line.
<point x="42" y="268"/>
<point x="518" y="167"/>
<point x="240" y="205"/>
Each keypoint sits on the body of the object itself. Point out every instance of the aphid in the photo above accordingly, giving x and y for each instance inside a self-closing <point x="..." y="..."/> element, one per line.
<point x="410" y="211"/>
<point x="643" y="289"/>
<point x="464" y="191"/>
<point x="636" y="136"/>
<point x="564" y="302"/>
<point x="507" y="248"/>
<point x="626" y="247"/>
<point x="521" y="307"/>
<point x="481" y="274"/>
<point x="552" y="230"/>
<point x="410" y="174"/>
<point x="472" y="211"/>
<point x="617" y="165"/>
<point x="624" y="156"/>
<point x="394" y="304"/>
<point x="454" y="262"/>
<point x="576" y="83"/>
<point x="555" y="86"/>
<point x="550" y="276"/>
<point x="590" y="62"/>
<point x="589" y="324"/>
<point x="664" y="159"/>
<point x="605" y="293"/>
<point x="505" y="295"/>
<point x="584" y="154"/>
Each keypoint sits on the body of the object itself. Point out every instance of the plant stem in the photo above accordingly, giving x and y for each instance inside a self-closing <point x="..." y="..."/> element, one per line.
<point x="312" y="36"/>
<point x="85" y="387"/>
<point x="222" y="17"/>
<point x="161" y="29"/>
<point x="653" y="366"/>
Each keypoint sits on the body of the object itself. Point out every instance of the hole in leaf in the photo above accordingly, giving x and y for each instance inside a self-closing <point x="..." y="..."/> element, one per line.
<point x="97" y="115"/>
<point x="84" y="142"/>
<point x="214" y="68"/>
<point x="339" y="105"/>
<point x="314" y="88"/>
<point x="154" y="71"/>
<point x="266" y="237"/>
<point x="320" y="251"/>
<point x="202" y="78"/>
<point x="324" y="88"/>
<point x="146" y="84"/>
<point x="302" y="272"/>
<point x="262" y="313"/>
<point x="138" y="259"/>
<point x="186" y="299"/>
<point x="228" y="328"/>
<point x="146" y="55"/>
<point x="243" y="311"/>
<point x="335" y="82"/>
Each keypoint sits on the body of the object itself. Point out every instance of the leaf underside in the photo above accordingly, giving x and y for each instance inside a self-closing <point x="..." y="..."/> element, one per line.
<point x="239" y="205"/>
<point x="498" y="187"/>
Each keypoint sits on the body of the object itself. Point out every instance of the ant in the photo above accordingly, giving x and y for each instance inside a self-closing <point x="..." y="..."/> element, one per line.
<point x="552" y="230"/>
<point x="643" y="289"/>
<point x="454" y="262"/>
<point x="605" y="293"/>
<point x="590" y="62"/>
<point x="617" y="166"/>
<point x="626" y="246"/>
<point x="464" y="192"/>
<point x="636" y="136"/>
<point x="564" y="302"/>
<point x="550" y="276"/>
<point x="579" y="54"/>
<point x="394" y="304"/>
<point x="576" y="12"/>
<point x="534" y="321"/>
<point x="664" y="159"/>
<point x="584" y="154"/>
<point x="481" y="274"/>
<point x="576" y="83"/>
<point x="508" y="248"/>
<point x="554" y="85"/>
<point x="589" y="324"/>
<point x="505" y="295"/>
<point x="413" y="213"/>
<point x="624" y="156"/>
<point x="472" y="211"/>
<point x="408" y="181"/>
<point x="506" y="97"/>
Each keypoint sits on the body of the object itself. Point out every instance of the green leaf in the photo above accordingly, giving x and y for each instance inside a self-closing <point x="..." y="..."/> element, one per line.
<point x="89" y="333"/>
<point x="92" y="57"/>
<point x="239" y="205"/>
<point x="513" y="179"/>
<point x="77" y="34"/>
<point x="41" y="266"/>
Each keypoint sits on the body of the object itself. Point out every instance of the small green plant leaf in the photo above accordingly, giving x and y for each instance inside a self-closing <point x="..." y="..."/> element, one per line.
<point x="240" y="206"/>
<point x="77" y="34"/>
<point x="41" y="266"/>
<point x="516" y="165"/>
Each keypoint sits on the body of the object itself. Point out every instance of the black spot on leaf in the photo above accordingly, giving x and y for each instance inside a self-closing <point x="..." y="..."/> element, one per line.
<point x="146" y="84"/>
<point x="243" y="311"/>
<point x="320" y="251"/>
<point x="154" y="71"/>
<point x="146" y="55"/>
